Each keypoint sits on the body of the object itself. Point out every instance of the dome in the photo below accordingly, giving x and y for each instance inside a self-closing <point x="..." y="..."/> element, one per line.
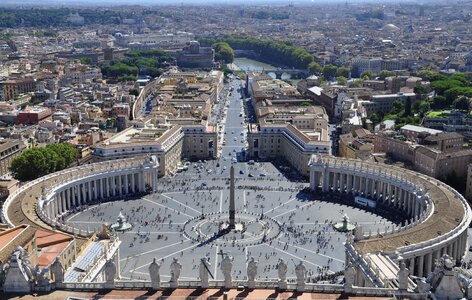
<point x="390" y="27"/>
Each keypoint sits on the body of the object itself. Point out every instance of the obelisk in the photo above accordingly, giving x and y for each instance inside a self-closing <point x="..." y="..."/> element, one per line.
<point x="232" y="210"/>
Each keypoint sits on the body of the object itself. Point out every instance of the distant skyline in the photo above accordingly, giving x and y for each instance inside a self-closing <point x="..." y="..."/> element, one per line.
<point x="76" y="3"/>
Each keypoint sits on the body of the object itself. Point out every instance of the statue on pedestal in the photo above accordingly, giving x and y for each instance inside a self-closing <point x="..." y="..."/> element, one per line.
<point x="175" y="268"/>
<point x="2" y="273"/>
<point x="154" y="274"/>
<point x="110" y="272"/>
<point x="40" y="277"/>
<point x="251" y="273"/>
<point x="422" y="286"/>
<point x="282" y="272"/>
<point x="57" y="270"/>
<point x="349" y="278"/>
<point x="300" y="272"/>
<point x="226" y="267"/>
<point x="403" y="277"/>
<point x="204" y="271"/>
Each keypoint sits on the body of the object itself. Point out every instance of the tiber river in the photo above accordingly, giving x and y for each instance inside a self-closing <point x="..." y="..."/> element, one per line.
<point x="247" y="64"/>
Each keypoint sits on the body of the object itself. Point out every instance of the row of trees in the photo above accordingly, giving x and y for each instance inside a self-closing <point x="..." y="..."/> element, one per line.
<point x="148" y="62"/>
<point x="54" y="17"/>
<point x="278" y="52"/>
<point x="36" y="162"/>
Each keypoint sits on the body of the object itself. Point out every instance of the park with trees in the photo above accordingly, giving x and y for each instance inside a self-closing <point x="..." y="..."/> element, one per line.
<point x="145" y="62"/>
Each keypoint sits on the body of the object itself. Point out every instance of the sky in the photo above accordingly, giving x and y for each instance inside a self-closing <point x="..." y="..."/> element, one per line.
<point x="179" y="2"/>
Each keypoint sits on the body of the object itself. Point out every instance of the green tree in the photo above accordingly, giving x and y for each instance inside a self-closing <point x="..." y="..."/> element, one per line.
<point x="397" y="106"/>
<point x="315" y="67"/>
<point x="357" y="83"/>
<point x="36" y="162"/>
<point x="342" y="80"/>
<point x="225" y="70"/>
<point x="430" y="75"/>
<point x="329" y="71"/>
<point x="31" y="164"/>
<point x="421" y="107"/>
<point x="420" y="90"/>
<point x="343" y="71"/>
<point x="452" y="93"/>
<point x="223" y="52"/>
<point x="441" y="86"/>
<point x="374" y="118"/>
<point x="385" y="73"/>
<point x="367" y="75"/>
<point x="439" y="102"/>
<point x="306" y="103"/>
<point x="462" y="103"/>
<point x="408" y="104"/>
<point x="85" y="60"/>
<point x="134" y="92"/>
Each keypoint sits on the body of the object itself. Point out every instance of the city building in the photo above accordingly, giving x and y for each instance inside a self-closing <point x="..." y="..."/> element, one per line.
<point x="14" y="87"/>
<point x="33" y="115"/>
<point x="9" y="149"/>
<point x="283" y="139"/>
<point x="450" y="120"/>
<point x="357" y="144"/>
<point x="431" y="152"/>
<point x="158" y="40"/>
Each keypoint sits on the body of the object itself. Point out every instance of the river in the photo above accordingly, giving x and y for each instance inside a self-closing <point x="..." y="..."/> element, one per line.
<point x="247" y="64"/>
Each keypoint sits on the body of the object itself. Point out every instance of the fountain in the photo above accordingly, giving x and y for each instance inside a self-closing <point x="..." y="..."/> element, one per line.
<point x="121" y="224"/>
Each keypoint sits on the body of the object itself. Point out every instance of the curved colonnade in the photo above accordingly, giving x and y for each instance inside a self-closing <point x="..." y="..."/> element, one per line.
<point x="65" y="190"/>
<point x="438" y="215"/>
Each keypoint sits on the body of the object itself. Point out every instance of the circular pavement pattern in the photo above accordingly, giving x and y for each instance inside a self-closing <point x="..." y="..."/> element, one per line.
<point x="277" y="220"/>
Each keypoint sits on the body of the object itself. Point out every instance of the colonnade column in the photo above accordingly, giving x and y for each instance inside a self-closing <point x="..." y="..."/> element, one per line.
<point x="95" y="189"/>
<point x="142" y="183"/>
<point x="89" y="187"/>
<point x="133" y="187"/>
<point x="154" y="181"/>
<point x="420" y="265"/>
<point x="335" y="181"/>
<point x="120" y="185"/>
<point x="429" y="263"/>
<point x="83" y="192"/>
<point x="349" y="183"/>
<point x="126" y="184"/>
<point x="412" y="265"/>
<point x="372" y="190"/>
